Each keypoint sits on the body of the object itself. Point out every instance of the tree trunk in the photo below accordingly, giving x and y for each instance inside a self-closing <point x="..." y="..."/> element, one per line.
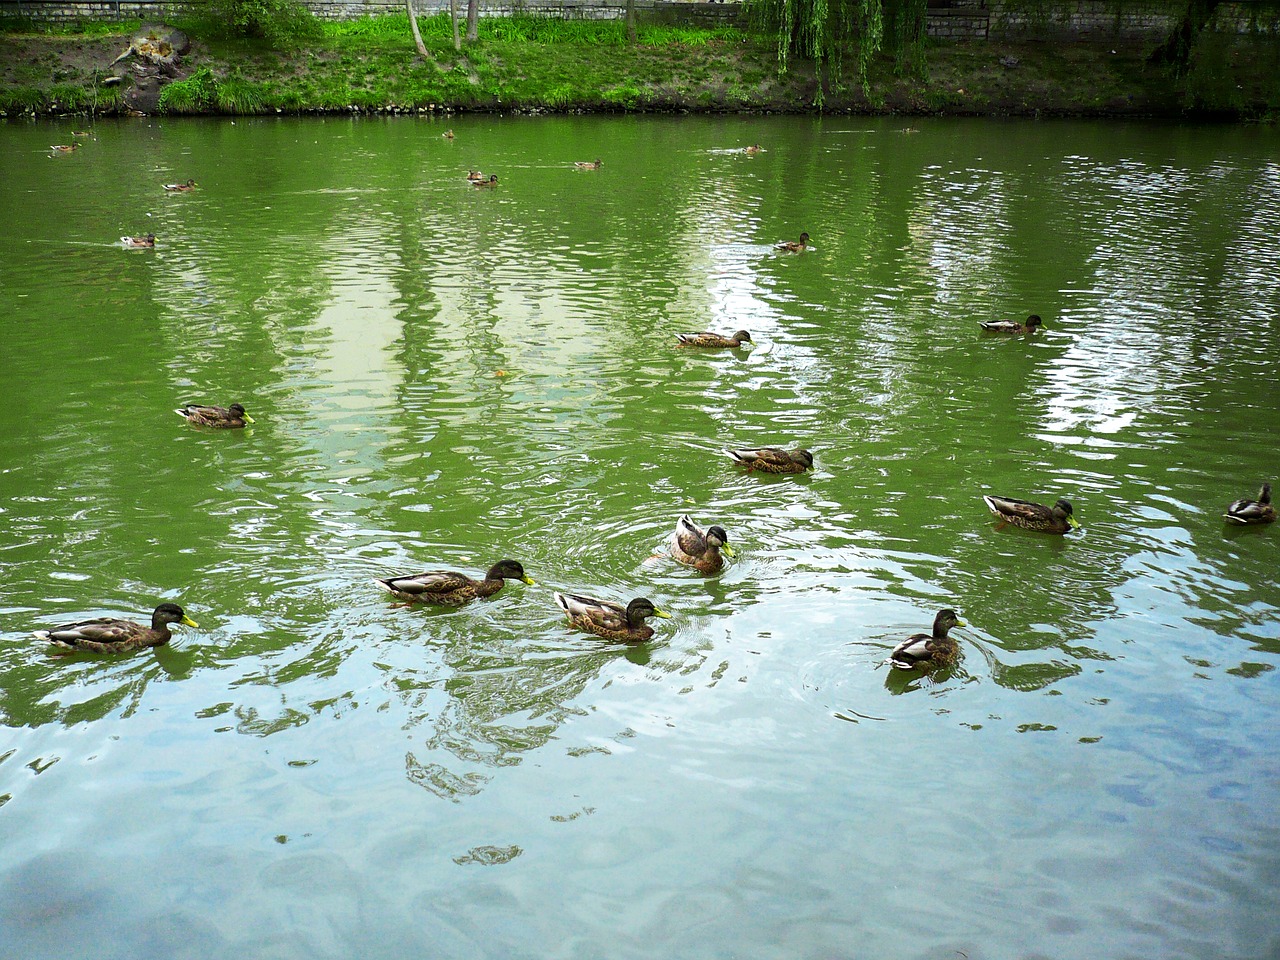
<point x="473" y="21"/>
<point x="631" y="22"/>
<point x="453" y="18"/>
<point x="417" y="34"/>
<point x="1176" y="50"/>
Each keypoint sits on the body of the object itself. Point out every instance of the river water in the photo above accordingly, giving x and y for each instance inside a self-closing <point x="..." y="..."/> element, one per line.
<point x="443" y="376"/>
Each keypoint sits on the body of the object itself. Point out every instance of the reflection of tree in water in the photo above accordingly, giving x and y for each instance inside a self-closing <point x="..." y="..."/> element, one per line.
<point x="491" y="712"/>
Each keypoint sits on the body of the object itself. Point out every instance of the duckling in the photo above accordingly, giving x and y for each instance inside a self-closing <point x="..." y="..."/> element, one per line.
<point x="1033" y="324"/>
<point x="774" y="460"/>
<point x="181" y="187"/>
<point x="703" y="550"/>
<point x="491" y="182"/>
<point x="450" y="588"/>
<point x="1032" y="516"/>
<point x="929" y="651"/>
<point x="713" y="340"/>
<point x="794" y="246"/>
<point x="754" y="148"/>
<point x="64" y="147"/>
<point x="611" y="620"/>
<point x="1252" y="511"/>
<point x="149" y="240"/>
<point x="222" y="418"/>
<point x="588" y="165"/>
<point x="112" y="635"/>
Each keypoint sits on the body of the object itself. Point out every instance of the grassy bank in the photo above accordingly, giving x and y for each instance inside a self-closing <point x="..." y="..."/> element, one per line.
<point x="537" y="64"/>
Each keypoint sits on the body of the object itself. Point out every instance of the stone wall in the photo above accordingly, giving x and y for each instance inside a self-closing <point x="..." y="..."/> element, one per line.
<point x="947" y="19"/>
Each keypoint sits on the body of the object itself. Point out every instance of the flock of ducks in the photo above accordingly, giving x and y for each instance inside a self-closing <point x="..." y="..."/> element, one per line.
<point x="703" y="550"/>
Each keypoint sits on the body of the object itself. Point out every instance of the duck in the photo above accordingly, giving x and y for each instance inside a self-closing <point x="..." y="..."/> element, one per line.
<point x="223" y="418"/>
<point x="704" y="550"/>
<point x="181" y="187"/>
<point x="474" y="176"/>
<point x="1252" y="511"/>
<point x="795" y="246"/>
<point x="1033" y="516"/>
<point x="929" y="651"/>
<point x="1033" y="324"/>
<point x="774" y="459"/>
<point x="64" y="147"/>
<point x="112" y="635"/>
<point x="754" y="148"/>
<point x="713" y="340"/>
<point x="491" y="182"/>
<point x="611" y="620"/>
<point x="448" y="134"/>
<point x="81" y="133"/>
<point x="145" y="241"/>
<point x="450" y="588"/>
<point x="588" y="164"/>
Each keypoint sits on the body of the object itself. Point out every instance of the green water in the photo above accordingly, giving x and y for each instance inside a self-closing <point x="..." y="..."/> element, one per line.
<point x="445" y="376"/>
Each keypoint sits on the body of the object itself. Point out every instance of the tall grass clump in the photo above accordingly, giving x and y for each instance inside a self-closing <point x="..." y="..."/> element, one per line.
<point x="196" y="94"/>
<point x="285" y="24"/>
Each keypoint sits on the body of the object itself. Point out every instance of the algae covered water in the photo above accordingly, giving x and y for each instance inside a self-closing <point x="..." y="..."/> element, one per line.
<point x="445" y="376"/>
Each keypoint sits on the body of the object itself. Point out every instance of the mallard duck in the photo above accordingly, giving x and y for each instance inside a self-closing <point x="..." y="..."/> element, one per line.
<point x="1032" y="516"/>
<point x="714" y="340"/>
<point x="1252" y="511"/>
<point x="146" y="241"/>
<point x="64" y="147"/>
<point x="754" y="148"/>
<point x="226" y="418"/>
<point x="448" y="134"/>
<point x="474" y="175"/>
<point x="795" y="246"/>
<point x="774" y="460"/>
<point x="181" y="187"/>
<point x="611" y="620"/>
<point x="81" y="133"/>
<point x="698" y="548"/>
<point x="588" y="164"/>
<point x="491" y="182"/>
<point x="929" y="651"/>
<point x="1011" y="326"/>
<point x="450" y="588"/>
<point x="111" y="635"/>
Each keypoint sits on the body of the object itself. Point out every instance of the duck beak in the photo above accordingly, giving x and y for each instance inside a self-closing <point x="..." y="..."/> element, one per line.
<point x="249" y="419"/>
<point x="661" y="613"/>
<point x="726" y="550"/>
<point x="961" y="623"/>
<point x="1073" y="523"/>
<point x="529" y="580"/>
<point x="188" y="621"/>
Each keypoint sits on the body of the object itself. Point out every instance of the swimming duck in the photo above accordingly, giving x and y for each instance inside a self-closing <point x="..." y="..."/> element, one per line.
<point x="81" y="133"/>
<point x="700" y="549"/>
<point x="754" y="148"/>
<point x="929" y="651"/>
<point x="448" y="134"/>
<point x="1252" y="511"/>
<point x="226" y="418"/>
<point x="795" y="246"/>
<point x="111" y="635"/>
<point x="774" y="460"/>
<point x="714" y="340"/>
<point x="611" y="620"/>
<point x="474" y="175"/>
<point x="64" y="147"/>
<point x="147" y="241"/>
<point x="450" y="588"/>
<point x="1032" y="516"/>
<point x="491" y="182"/>
<point x="588" y="165"/>
<point x="1010" y="326"/>
<point x="181" y="187"/>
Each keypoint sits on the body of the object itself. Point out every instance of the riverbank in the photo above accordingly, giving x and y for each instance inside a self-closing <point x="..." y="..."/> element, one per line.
<point x="378" y="71"/>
